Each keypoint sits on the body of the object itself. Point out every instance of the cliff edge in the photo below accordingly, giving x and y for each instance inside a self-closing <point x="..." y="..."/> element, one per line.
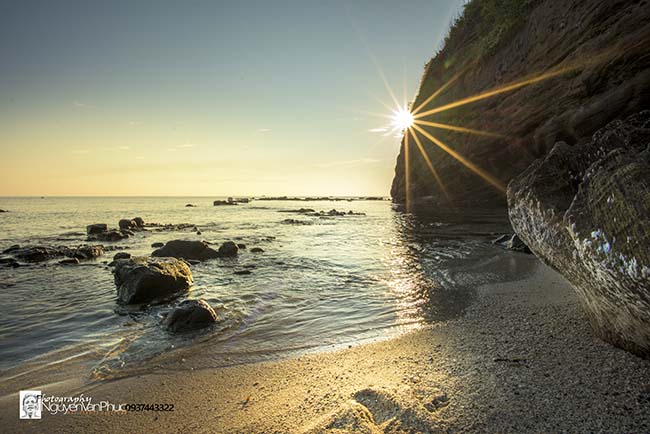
<point x="513" y="78"/>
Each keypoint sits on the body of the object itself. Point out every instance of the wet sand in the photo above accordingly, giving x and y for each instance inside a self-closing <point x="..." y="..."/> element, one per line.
<point x="521" y="359"/>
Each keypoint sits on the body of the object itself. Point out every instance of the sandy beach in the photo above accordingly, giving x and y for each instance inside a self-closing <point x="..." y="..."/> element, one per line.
<point x="521" y="359"/>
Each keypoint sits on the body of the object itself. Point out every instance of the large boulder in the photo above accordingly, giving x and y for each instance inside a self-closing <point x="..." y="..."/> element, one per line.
<point x="585" y="211"/>
<point x="187" y="249"/>
<point x="190" y="315"/>
<point x="145" y="280"/>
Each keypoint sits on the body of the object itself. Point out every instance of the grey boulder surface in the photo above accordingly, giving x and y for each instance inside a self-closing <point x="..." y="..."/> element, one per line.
<point x="146" y="280"/>
<point x="585" y="211"/>
<point x="190" y="315"/>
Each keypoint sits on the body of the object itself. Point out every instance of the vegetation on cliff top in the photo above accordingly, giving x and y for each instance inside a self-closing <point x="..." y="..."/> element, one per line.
<point x="484" y="24"/>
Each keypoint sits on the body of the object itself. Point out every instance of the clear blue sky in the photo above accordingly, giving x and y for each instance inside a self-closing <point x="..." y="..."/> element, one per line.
<point x="206" y="97"/>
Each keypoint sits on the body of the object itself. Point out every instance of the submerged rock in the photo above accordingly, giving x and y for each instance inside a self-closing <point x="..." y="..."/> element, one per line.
<point x="144" y="280"/>
<point x="187" y="249"/>
<point x="585" y="211"/>
<point x="96" y="228"/>
<point x="126" y="224"/>
<point x="157" y="245"/>
<point x="257" y="250"/>
<point x="190" y="315"/>
<point x="121" y="255"/>
<point x="228" y="249"/>
<point x="86" y="252"/>
<point x="110" y="235"/>
<point x="9" y="262"/>
<point x="69" y="261"/>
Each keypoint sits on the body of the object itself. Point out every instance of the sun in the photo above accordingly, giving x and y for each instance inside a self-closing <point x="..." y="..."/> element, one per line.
<point x="402" y="119"/>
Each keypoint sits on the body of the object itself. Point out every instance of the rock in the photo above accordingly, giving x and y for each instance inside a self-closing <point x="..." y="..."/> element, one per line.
<point x="121" y="255"/>
<point x="241" y="246"/>
<point x="243" y="272"/>
<point x="585" y="211"/>
<point x="157" y="245"/>
<point x="69" y="261"/>
<point x="96" y="228"/>
<point x="11" y="248"/>
<point x="9" y="262"/>
<point x="3" y="210"/>
<point x="145" y="280"/>
<point x="139" y="222"/>
<point x="111" y="235"/>
<point x="187" y="249"/>
<point x="36" y="253"/>
<point x="86" y="252"/>
<point x="228" y="249"/>
<point x="223" y="202"/>
<point x="192" y="261"/>
<point x="190" y="315"/>
<point x="296" y="222"/>
<point x="257" y="250"/>
<point x="126" y="224"/>
<point x="189" y="205"/>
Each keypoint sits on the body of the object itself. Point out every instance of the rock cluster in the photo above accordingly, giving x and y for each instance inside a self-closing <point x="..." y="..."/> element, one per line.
<point x="585" y="210"/>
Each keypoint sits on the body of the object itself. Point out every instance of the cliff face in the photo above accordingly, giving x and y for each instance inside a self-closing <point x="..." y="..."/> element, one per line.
<point x="589" y="61"/>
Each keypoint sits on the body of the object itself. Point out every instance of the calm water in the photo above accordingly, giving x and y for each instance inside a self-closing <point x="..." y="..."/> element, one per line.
<point x="327" y="283"/>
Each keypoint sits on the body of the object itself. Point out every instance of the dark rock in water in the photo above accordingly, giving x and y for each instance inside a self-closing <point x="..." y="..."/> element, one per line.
<point x="223" y="202"/>
<point x="139" y="222"/>
<point x="229" y="248"/>
<point x="243" y="272"/>
<point x="86" y="252"/>
<point x="198" y="232"/>
<point x="192" y="261"/>
<point x="69" y="261"/>
<point x="3" y="210"/>
<point x="37" y="253"/>
<point x="11" y="248"/>
<point x="189" y="205"/>
<point x="187" y="249"/>
<point x="9" y="262"/>
<point x="190" y="315"/>
<point x="156" y="245"/>
<point x="145" y="280"/>
<point x="297" y="222"/>
<point x="241" y="246"/>
<point x="121" y="255"/>
<point x="96" y="228"/>
<point x="257" y="250"/>
<point x="585" y="211"/>
<point x="125" y="224"/>
<point x="111" y="235"/>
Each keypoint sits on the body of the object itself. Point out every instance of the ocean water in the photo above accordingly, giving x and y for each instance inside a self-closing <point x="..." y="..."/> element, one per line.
<point x="325" y="283"/>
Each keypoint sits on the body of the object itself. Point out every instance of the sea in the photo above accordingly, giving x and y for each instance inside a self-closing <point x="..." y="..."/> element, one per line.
<point x="321" y="283"/>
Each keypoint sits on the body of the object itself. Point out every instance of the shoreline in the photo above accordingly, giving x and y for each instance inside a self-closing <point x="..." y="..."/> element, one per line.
<point x="522" y="358"/>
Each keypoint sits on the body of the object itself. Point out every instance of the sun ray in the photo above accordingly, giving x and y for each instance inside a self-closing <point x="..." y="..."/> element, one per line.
<point x="407" y="174"/>
<point x="464" y="161"/>
<point x="459" y="129"/>
<point x="499" y="90"/>
<point x="439" y="90"/>
<point x="427" y="160"/>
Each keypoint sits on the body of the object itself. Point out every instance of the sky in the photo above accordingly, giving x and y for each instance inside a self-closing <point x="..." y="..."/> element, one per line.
<point x="221" y="98"/>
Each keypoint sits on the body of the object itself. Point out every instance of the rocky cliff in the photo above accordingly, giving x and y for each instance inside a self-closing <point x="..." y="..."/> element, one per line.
<point x="517" y="76"/>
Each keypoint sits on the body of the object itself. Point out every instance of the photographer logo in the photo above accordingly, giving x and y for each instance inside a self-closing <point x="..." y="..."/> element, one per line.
<point x="31" y="404"/>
